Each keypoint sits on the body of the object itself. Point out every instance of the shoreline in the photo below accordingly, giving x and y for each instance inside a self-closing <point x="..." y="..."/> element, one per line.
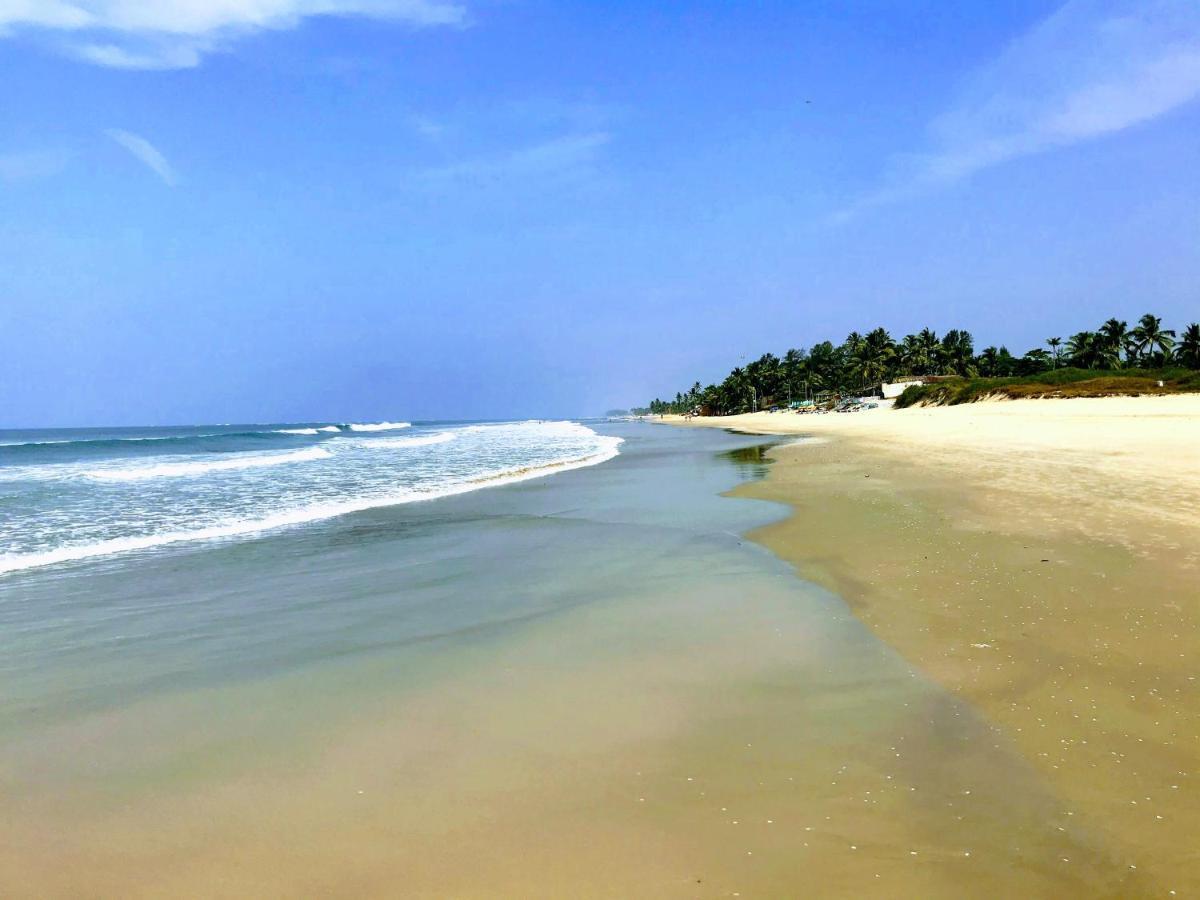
<point x="612" y="693"/>
<point x="1036" y="558"/>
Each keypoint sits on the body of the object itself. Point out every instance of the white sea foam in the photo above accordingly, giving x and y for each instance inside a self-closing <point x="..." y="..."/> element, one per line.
<point x="608" y="447"/>
<point x="31" y="443"/>
<point x="329" y="428"/>
<point x="541" y="428"/>
<point x="379" y="426"/>
<point x="192" y="468"/>
<point x="423" y="440"/>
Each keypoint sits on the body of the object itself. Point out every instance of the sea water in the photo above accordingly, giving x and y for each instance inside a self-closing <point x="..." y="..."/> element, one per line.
<point x="83" y="494"/>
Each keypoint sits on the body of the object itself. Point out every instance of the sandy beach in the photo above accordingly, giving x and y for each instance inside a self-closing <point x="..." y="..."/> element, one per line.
<point x="1039" y="559"/>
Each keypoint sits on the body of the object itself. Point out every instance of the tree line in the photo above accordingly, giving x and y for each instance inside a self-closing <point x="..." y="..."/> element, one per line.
<point x="864" y="361"/>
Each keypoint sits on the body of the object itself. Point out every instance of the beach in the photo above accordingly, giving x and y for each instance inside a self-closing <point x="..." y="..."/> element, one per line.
<point x="588" y="684"/>
<point x="360" y="534"/>
<point x="1038" y="558"/>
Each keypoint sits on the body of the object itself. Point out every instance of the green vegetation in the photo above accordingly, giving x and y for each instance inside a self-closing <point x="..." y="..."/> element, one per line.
<point x="1068" y="382"/>
<point x="1114" y="359"/>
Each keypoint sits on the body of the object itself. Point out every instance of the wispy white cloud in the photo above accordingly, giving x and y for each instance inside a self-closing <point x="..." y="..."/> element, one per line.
<point x="171" y="54"/>
<point x="171" y="34"/>
<point x="564" y="158"/>
<point x="1093" y="68"/>
<point x="26" y="165"/>
<point x="146" y="153"/>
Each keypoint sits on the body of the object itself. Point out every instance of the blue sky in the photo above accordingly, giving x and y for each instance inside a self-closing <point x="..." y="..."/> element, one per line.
<point x="254" y="210"/>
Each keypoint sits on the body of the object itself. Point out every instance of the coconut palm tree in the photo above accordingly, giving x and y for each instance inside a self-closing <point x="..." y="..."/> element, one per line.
<point x="1086" y="349"/>
<point x="852" y="345"/>
<point x="1054" y="343"/>
<point x="1006" y="363"/>
<point x="824" y="365"/>
<point x="907" y="352"/>
<point x="1115" y="334"/>
<point x="928" y="346"/>
<point x="957" y="353"/>
<point x="988" y="362"/>
<point x="1148" y="335"/>
<point x="737" y="391"/>
<point x="872" y="359"/>
<point x="1187" y="353"/>
<point x="917" y="353"/>
<point x="795" y="370"/>
<point x="766" y="375"/>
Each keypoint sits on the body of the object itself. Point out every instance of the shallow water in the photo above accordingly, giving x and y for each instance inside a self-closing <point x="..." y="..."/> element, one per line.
<point x="588" y="684"/>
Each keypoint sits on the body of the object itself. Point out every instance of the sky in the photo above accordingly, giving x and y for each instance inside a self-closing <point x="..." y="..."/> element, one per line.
<point x="299" y="210"/>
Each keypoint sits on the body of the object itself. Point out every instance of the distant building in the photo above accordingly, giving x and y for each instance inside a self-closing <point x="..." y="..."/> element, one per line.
<point x="892" y="390"/>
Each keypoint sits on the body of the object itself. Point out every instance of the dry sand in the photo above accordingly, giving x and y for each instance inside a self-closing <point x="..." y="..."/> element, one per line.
<point x="1091" y="466"/>
<point x="1041" y="558"/>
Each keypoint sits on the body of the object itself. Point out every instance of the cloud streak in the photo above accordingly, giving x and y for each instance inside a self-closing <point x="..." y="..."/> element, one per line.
<point x="567" y="158"/>
<point x="173" y="34"/>
<point x="145" y="153"/>
<point x="1093" y="68"/>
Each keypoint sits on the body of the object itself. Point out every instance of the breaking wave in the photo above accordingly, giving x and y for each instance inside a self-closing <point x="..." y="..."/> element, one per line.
<point x="195" y="468"/>
<point x="126" y="502"/>
<point x="379" y="426"/>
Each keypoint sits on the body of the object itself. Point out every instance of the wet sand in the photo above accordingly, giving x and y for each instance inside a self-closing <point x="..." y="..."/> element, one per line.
<point x="1039" y="559"/>
<point x="674" y="745"/>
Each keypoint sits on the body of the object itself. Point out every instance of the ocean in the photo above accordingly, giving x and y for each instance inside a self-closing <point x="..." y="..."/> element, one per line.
<point x="90" y="493"/>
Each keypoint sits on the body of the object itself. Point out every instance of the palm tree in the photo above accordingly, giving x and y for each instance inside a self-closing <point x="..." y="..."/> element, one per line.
<point x="929" y="345"/>
<point x="988" y="362"/>
<point x="852" y="345"/>
<point x="766" y="375"/>
<point x="908" y="351"/>
<point x="795" y="366"/>
<point x="917" y="353"/>
<point x="1150" y="334"/>
<point x="1006" y="364"/>
<point x="872" y="358"/>
<point x="692" y="397"/>
<point x="823" y="365"/>
<point x="1086" y="349"/>
<point x="1116" y="337"/>
<point x="958" y="353"/>
<point x="1054" y="343"/>
<point x="1188" y="351"/>
<point x="736" y="391"/>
